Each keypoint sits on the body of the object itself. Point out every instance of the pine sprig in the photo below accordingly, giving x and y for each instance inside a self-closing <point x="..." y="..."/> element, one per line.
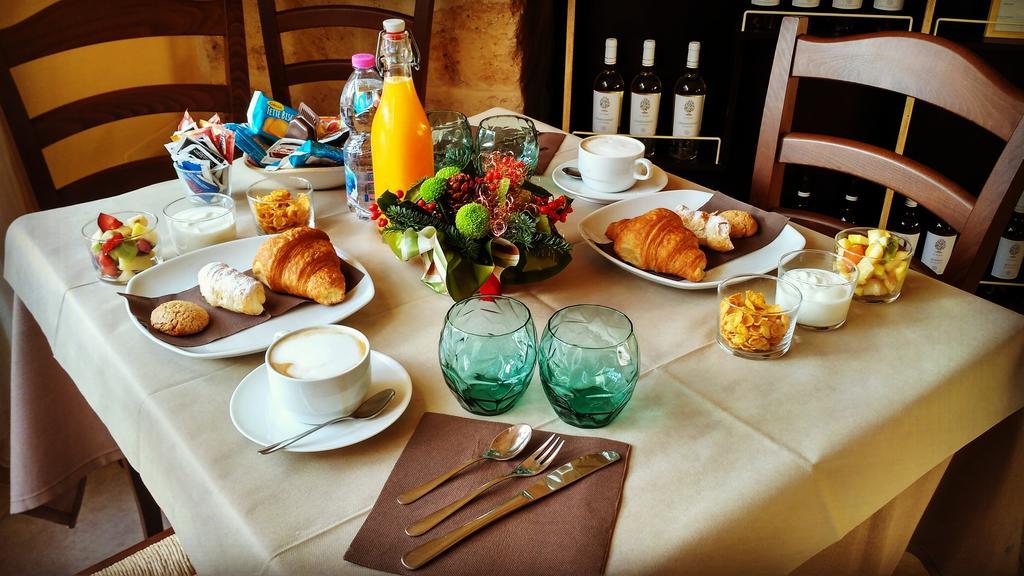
<point x="401" y="218"/>
<point x="521" y="229"/>
<point x="550" y="243"/>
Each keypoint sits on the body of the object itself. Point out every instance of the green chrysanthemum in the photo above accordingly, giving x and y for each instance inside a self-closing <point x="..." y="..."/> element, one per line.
<point x="471" y="220"/>
<point x="432" y="188"/>
<point x="446" y="172"/>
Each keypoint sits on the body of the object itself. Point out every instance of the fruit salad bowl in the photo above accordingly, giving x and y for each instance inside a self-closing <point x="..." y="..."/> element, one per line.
<point x="882" y="259"/>
<point x="122" y="244"/>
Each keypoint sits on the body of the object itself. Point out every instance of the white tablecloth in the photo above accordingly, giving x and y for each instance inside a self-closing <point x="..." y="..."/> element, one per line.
<point x="738" y="466"/>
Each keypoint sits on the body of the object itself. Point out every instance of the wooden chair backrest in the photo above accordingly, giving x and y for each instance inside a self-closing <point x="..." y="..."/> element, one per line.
<point x="283" y="76"/>
<point x="931" y="69"/>
<point x="70" y="24"/>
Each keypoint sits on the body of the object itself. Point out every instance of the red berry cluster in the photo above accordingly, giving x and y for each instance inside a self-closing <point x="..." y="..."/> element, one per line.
<point x="555" y="209"/>
<point x="428" y="206"/>
<point x="377" y="216"/>
<point x="501" y="166"/>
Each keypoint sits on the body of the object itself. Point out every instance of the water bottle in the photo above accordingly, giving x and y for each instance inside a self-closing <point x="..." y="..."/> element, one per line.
<point x="359" y="100"/>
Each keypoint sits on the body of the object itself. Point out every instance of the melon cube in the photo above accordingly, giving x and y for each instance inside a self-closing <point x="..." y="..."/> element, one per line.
<point x="858" y="239"/>
<point x="866" y="268"/>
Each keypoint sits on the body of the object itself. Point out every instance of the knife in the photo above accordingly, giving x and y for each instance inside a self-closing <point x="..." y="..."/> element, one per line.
<point x="556" y="480"/>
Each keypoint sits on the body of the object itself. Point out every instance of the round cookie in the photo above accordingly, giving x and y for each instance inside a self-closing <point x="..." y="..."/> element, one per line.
<point x="179" y="318"/>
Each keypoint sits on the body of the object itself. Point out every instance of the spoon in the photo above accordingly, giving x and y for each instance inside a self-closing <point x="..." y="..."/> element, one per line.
<point x="370" y="408"/>
<point x="572" y="172"/>
<point x="505" y="446"/>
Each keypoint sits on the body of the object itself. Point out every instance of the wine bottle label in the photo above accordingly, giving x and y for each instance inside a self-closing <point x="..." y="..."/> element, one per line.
<point x="1009" y="255"/>
<point x="643" y="113"/>
<point x="847" y="4"/>
<point x="914" y="238"/>
<point x="687" y="115"/>
<point x="888" y="5"/>
<point x="805" y="3"/>
<point x="607" y="109"/>
<point x="936" y="251"/>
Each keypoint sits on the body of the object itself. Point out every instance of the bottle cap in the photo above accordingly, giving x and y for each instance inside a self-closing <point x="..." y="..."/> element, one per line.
<point x="648" y="59"/>
<point x="851" y="197"/>
<point x="693" y="55"/>
<point x="910" y="203"/>
<point x="394" y="25"/>
<point x="611" y="47"/>
<point x="363" y="60"/>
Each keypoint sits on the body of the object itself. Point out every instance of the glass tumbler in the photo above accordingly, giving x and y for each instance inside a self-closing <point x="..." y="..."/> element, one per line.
<point x="826" y="280"/>
<point x="453" y="139"/>
<point x="126" y="246"/>
<point x="200" y="220"/>
<point x="507" y="134"/>
<point x="589" y="364"/>
<point x="882" y="260"/>
<point x="488" y="348"/>
<point x="757" y="315"/>
<point x="280" y="203"/>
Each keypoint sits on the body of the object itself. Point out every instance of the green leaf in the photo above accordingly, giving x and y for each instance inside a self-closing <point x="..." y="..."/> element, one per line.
<point x="464" y="276"/>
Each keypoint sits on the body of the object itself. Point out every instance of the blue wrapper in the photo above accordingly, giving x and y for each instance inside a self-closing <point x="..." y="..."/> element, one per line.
<point x="269" y="117"/>
<point x="312" y="153"/>
<point x="249" y="142"/>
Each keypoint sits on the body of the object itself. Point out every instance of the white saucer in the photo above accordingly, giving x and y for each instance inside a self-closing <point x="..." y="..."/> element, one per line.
<point x="578" y="189"/>
<point x="259" y="421"/>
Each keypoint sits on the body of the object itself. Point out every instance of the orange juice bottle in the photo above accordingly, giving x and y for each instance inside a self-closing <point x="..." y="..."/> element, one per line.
<point x="400" y="138"/>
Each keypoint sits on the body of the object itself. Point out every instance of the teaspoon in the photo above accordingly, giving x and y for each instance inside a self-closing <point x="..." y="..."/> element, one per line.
<point x="572" y="172"/>
<point x="370" y="408"/>
<point x="505" y="446"/>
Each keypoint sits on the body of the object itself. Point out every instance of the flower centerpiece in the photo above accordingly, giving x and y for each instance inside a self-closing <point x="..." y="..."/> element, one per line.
<point x="474" y="232"/>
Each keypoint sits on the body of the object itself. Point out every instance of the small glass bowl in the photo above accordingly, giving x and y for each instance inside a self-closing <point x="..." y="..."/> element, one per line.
<point x="280" y="203"/>
<point x="210" y="180"/>
<point x="756" y="315"/>
<point x="880" y="279"/>
<point x="200" y="220"/>
<point x="826" y="283"/>
<point x="118" y="260"/>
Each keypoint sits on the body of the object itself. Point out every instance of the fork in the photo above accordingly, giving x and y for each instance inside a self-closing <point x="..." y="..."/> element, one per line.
<point x="531" y="466"/>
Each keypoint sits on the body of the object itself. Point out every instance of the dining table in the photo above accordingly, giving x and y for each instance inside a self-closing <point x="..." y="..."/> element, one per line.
<point x="737" y="465"/>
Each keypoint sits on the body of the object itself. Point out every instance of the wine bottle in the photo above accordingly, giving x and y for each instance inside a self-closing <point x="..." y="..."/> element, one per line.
<point x="847" y="4"/>
<point x="1010" y="251"/>
<point x="850" y="213"/>
<point x="688" y="109"/>
<point x="645" y="99"/>
<point x="806" y="3"/>
<point x="938" y="245"/>
<point x="909" y="224"/>
<point x="888" y="5"/>
<point x="608" y="89"/>
<point x="802" y="200"/>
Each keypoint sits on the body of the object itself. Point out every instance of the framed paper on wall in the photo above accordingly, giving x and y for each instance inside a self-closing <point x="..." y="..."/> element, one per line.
<point x="1006" y="19"/>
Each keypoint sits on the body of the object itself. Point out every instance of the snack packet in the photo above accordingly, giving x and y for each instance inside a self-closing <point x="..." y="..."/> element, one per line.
<point x="267" y="117"/>
<point x="248" y="142"/>
<point x="311" y="153"/>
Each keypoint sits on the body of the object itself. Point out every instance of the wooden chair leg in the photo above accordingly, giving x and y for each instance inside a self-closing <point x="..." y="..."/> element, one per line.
<point x="149" y="511"/>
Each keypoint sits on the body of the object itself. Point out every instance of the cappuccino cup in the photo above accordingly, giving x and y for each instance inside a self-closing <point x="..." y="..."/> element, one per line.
<point x="613" y="163"/>
<point x="318" y="373"/>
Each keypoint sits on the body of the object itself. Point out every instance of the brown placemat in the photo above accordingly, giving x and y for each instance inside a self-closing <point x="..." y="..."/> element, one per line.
<point x="568" y="532"/>
<point x="769" y="226"/>
<point x="223" y="322"/>
<point x="548" y="142"/>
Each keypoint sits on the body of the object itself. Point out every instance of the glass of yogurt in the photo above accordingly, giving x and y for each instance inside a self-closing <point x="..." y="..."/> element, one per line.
<point x="826" y="292"/>
<point x="201" y="220"/>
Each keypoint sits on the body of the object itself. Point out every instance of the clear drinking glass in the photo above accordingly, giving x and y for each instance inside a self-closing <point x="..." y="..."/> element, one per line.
<point x="453" y="139"/>
<point x="882" y="267"/>
<point x="510" y="134"/>
<point x="200" y="220"/>
<point x="589" y="364"/>
<point x="488" y="348"/>
<point x="205" y="180"/>
<point x="826" y="281"/>
<point x="121" y="252"/>
<point x="279" y="203"/>
<point x="756" y="315"/>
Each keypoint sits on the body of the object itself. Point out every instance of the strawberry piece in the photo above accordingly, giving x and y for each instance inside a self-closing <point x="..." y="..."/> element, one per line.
<point x="107" y="265"/>
<point x="108" y="222"/>
<point x="116" y="240"/>
<point x="144" y="246"/>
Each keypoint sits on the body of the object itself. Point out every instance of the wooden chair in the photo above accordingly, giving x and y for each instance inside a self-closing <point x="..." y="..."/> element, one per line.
<point x="69" y="24"/>
<point x="282" y="75"/>
<point x="924" y="67"/>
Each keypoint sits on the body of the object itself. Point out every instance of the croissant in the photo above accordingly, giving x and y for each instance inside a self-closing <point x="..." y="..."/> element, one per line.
<point x="741" y="224"/>
<point x="302" y="262"/>
<point x="711" y="230"/>
<point x="658" y="241"/>
<point x="227" y="288"/>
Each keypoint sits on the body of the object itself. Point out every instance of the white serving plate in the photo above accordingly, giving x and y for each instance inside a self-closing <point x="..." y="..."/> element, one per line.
<point x="766" y="259"/>
<point x="181" y="273"/>
<point x="576" y="188"/>
<point x="322" y="177"/>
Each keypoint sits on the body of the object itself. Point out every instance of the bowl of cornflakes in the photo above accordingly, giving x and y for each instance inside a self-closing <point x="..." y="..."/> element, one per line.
<point x="280" y="203"/>
<point x="757" y="315"/>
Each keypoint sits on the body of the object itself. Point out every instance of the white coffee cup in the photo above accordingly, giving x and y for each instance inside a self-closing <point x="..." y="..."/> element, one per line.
<point x="318" y="373"/>
<point x="613" y="163"/>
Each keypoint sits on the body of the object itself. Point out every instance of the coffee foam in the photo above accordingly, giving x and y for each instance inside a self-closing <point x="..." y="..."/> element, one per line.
<point x="612" y="146"/>
<point x="316" y="353"/>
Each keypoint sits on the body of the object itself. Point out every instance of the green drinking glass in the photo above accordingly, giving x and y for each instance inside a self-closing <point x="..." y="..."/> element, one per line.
<point x="589" y="364"/>
<point x="488" y="348"/>
<point x="452" y="137"/>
